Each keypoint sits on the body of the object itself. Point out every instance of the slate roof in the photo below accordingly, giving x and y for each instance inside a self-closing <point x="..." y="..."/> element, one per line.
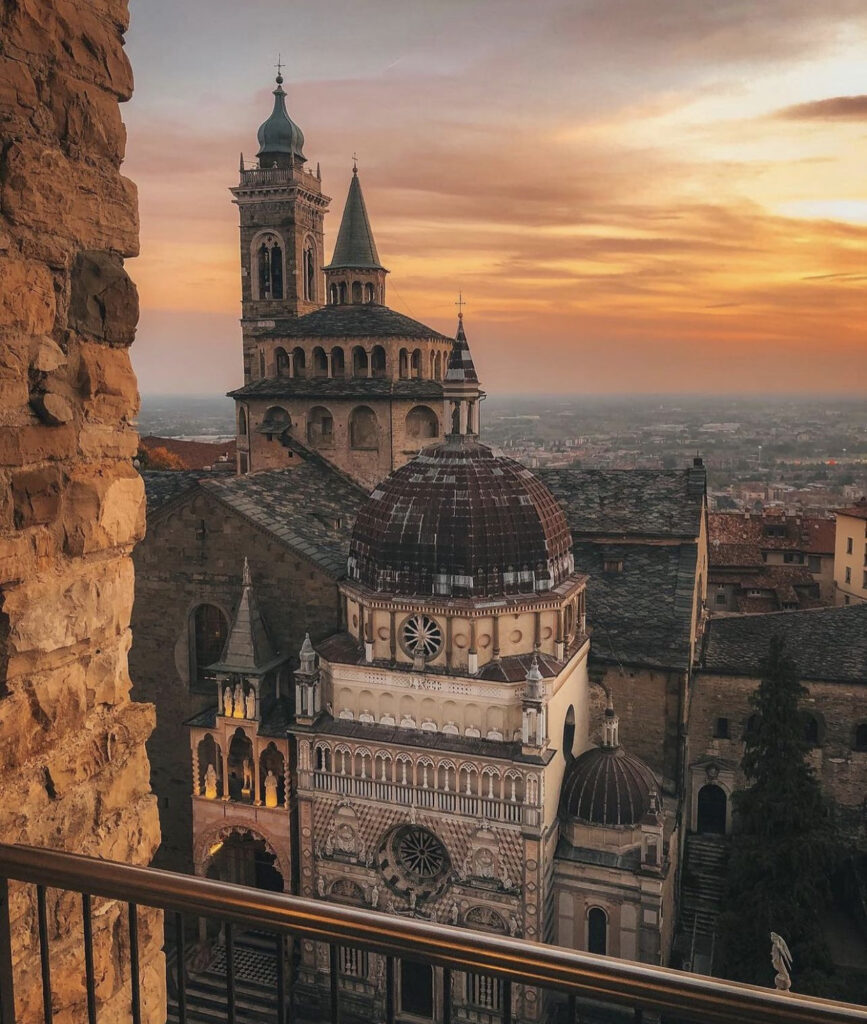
<point x="642" y="615"/>
<point x="827" y="643"/>
<point x="352" y="320"/>
<point x="337" y="387"/>
<point x="355" y="247"/>
<point x="638" y="502"/>
<point x="162" y="486"/>
<point x="310" y="509"/>
<point x="607" y="786"/>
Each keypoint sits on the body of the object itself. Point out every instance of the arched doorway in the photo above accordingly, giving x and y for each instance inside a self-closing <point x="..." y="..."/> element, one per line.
<point x="243" y="859"/>
<point x="712" y="809"/>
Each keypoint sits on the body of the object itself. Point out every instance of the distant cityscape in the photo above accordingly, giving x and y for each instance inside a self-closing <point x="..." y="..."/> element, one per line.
<point x="797" y="453"/>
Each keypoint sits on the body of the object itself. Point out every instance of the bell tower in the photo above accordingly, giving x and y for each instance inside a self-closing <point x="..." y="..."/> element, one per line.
<point x="282" y="209"/>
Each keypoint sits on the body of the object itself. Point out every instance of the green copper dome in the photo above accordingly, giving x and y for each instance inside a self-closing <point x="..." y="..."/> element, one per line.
<point x="279" y="135"/>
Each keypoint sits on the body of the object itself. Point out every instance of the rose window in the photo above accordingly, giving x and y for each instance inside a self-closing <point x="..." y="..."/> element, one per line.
<point x="422" y="635"/>
<point x="412" y="860"/>
<point x="419" y="852"/>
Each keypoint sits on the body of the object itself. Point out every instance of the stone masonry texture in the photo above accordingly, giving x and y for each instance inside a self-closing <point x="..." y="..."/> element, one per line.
<point x="73" y="766"/>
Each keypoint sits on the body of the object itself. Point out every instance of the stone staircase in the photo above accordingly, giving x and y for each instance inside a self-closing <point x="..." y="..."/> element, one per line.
<point x="701" y="895"/>
<point x="255" y="984"/>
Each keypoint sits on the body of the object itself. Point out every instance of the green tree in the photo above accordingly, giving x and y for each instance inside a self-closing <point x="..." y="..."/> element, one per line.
<point x="783" y="849"/>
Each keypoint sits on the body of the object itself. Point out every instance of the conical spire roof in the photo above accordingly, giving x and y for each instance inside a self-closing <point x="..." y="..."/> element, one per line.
<point x="460" y="366"/>
<point x="248" y="647"/>
<point x="280" y="135"/>
<point x="355" y="246"/>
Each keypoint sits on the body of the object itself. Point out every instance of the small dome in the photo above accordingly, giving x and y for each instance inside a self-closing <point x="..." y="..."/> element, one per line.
<point x="279" y="135"/>
<point x="459" y="520"/>
<point x="607" y="786"/>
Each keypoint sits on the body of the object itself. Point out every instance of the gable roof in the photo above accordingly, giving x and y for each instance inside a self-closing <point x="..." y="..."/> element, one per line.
<point x="826" y="643"/>
<point x="351" y="320"/>
<point x="638" y="502"/>
<point x="641" y="615"/>
<point x="164" y="485"/>
<point x="310" y="509"/>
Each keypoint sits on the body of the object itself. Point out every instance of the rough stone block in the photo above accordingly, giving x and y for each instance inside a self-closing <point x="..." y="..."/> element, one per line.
<point x="103" y="301"/>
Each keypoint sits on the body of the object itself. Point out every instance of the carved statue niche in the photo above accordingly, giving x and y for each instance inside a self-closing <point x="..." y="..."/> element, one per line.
<point x="270" y="789"/>
<point x="238" y="701"/>
<point x="345" y="836"/>
<point x="227" y="702"/>
<point x="211" y="782"/>
<point x="250" y="705"/>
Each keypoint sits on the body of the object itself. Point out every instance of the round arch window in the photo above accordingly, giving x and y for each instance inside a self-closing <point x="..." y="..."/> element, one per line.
<point x="420" y="634"/>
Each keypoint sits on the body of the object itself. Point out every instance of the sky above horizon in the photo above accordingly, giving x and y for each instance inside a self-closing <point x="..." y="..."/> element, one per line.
<point x="632" y="196"/>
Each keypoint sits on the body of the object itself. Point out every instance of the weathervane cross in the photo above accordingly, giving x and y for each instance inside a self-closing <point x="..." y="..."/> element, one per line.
<point x="279" y="64"/>
<point x="460" y="303"/>
<point x="355" y="161"/>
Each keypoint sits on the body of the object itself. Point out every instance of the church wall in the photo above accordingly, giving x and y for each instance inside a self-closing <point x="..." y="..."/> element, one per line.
<point x="72" y="765"/>
<point x="648" y="704"/>
<point x="179" y="567"/>
<point x="838" y="708"/>
<point x="572" y="691"/>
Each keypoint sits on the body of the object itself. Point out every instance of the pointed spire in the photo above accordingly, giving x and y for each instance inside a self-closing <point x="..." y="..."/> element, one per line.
<point x="533" y="678"/>
<point x="460" y="366"/>
<point x="355" y="247"/>
<point x="248" y="647"/>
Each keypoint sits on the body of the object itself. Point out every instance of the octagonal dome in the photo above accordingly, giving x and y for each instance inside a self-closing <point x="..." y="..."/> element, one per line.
<point x="461" y="521"/>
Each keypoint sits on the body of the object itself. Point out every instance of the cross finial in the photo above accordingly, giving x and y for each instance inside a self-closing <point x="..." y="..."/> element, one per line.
<point x="355" y="163"/>
<point x="460" y="304"/>
<point x="279" y="67"/>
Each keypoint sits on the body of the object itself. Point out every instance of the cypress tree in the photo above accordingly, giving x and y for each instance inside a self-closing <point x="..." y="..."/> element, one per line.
<point x="779" y="872"/>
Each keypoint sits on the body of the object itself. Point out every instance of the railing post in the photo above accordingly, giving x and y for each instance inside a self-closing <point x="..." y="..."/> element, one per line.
<point x="7" y="991"/>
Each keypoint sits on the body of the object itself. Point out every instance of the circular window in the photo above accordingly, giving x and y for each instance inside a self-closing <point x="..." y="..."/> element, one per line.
<point x="412" y="859"/>
<point x="420" y="853"/>
<point x="421" y="635"/>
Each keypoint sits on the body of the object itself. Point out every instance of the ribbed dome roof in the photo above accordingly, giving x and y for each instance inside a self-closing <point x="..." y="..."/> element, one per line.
<point x="463" y="521"/>
<point x="607" y="786"/>
<point x="279" y="135"/>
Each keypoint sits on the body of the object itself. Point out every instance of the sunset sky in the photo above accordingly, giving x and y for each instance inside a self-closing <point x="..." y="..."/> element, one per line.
<point x="633" y="195"/>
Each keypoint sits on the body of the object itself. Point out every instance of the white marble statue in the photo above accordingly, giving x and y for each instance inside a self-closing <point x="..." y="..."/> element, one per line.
<point x="211" y="782"/>
<point x="453" y="913"/>
<point x="251" y="704"/>
<point x="227" y="702"/>
<point x="238" y="711"/>
<point x="320" y="885"/>
<point x="270" y="789"/>
<point x="374" y="897"/>
<point x="781" y="961"/>
<point x="248" y="776"/>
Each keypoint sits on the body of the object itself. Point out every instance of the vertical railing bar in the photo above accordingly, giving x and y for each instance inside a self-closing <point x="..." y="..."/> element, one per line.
<point x="133" y="964"/>
<point x="44" y="956"/>
<point x="181" y="961"/>
<point x="389" y="990"/>
<point x="507" y="1001"/>
<point x="89" y="982"/>
<point x="447" y="995"/>
<point x="637" y="1015"/>
<point x="7" y="992"/>
<point x="334" y="958"/>
<point x="573" y="1008"/>
<point x="281" y="978"/>
<point x="230" y="973"/>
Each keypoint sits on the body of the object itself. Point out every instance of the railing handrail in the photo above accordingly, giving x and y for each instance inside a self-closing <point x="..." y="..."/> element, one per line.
<point x="530" y="963"/>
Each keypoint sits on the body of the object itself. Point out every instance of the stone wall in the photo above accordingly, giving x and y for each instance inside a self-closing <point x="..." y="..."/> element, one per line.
<point x="837" y="707"/>
<point x="194" y="554"/>
<point x="73" y="768"/>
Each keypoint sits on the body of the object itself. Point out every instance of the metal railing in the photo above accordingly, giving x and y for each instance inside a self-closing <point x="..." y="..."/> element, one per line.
<point x="513" y="962"/>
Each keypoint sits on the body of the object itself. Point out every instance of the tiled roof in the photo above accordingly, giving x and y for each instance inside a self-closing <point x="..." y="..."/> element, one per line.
<point x="248" y="647"/>
<point x="610" y="502"/>
<point x="337" y="387"/>
<point x="827" y="643"/>
<point x="857" y="511"/>
<point x="729" y="530"/>
<point x="642" y="615"/>
<point x="606" y="786"/>
<point x="460" y="520"/>
<point x="162" y="486"/>
<point x="310" y="509"/>
<point x="353" y="320"/>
